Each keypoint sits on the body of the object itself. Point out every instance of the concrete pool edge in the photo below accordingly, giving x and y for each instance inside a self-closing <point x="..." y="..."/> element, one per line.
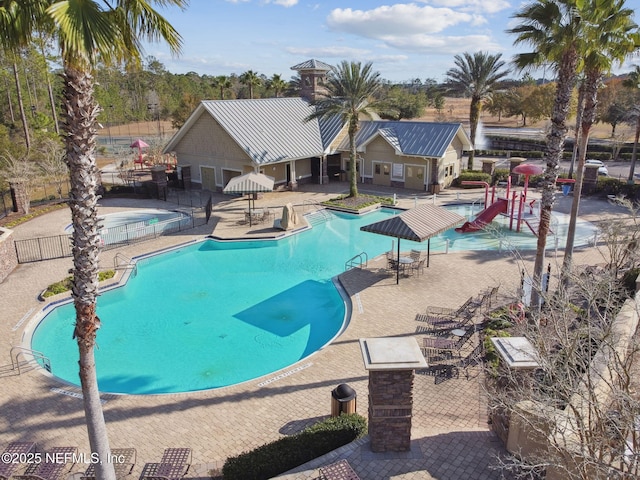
<point x="72" y="389"/>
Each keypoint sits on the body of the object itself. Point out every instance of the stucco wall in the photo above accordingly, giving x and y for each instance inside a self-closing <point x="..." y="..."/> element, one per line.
<point x="206" y="143"/>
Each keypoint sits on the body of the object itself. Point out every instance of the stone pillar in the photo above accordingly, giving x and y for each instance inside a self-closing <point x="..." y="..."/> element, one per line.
<point x="590" y="178"/>
<point x="390" y="410"/>
<point x="186" y="176"/>
<point x="391" y="363"/>
<point x="488" y="166"/>
<point x="8" y="255"/>
<point x="159" y="181"/>
<point x="19" y="196"/>
<point x="513" y="163"/>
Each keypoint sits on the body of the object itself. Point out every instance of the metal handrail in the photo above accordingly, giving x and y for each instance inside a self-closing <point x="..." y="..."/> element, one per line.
<point x="128" y="262"/>
<point x="15" y="363"/>
<point x="351" y="263"/>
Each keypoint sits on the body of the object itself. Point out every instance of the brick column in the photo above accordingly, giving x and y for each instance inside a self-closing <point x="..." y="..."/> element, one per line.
<point x="590" y="178"/>
<point x="159" y="180"/>
<point x="513" y="163"/>
<point x="390" y="410"/>
<point x="488" y="166"/>
<point x="391" y="363"/>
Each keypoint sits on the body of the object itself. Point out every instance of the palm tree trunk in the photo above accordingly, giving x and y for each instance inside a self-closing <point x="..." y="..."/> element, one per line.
<point x="25" y="126"/>
<point x="353" y="158"/>
<point x="634" y="154"/>
<point x="578" y="135"/>
<point x="474" y="116"/>
<point x="555" y="143"/>
<point x="588" y="115"/>
<point x="80" y="116"/>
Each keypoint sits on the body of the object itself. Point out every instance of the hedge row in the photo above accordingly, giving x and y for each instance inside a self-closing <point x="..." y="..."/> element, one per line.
<point x="272" y="459"/>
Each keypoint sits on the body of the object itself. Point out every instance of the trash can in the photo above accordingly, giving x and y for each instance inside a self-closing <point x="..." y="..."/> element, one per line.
<point x="343" y="400"/>
<point x="566" y="189"/>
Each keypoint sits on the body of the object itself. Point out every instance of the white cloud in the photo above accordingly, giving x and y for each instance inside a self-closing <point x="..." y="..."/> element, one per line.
<point x="399" y="19"/>
<point x="284" y="3"/>
<point x="329" y="52"/>
<point x="476" y="6"/>
<point x="444" y="45"/>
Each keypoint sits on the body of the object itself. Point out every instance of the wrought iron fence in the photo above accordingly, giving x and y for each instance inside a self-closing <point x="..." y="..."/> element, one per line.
<point x="59" y="246"/>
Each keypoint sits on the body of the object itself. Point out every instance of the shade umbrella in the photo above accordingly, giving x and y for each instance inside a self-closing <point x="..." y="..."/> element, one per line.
<point x="418" y="224"/>
<point x="139" y="144"/>
<point x="249" y="184"/>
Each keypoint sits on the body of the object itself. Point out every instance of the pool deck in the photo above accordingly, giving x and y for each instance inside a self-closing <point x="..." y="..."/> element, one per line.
<point x="450" y="435"/>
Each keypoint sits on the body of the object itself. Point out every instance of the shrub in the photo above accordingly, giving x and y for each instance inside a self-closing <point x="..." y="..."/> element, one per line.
<point x="67" y="283"/>
<point x="471" y="176"/>
<point x="272" y="459"/>
<point x="500" y="175"/>
<point x="609" y="186"/>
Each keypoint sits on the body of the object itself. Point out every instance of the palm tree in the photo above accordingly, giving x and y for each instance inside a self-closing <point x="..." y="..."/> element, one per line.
<point x="223" y="83"/>
<point x="613" y="36"/>
<point x="250" y="79"/>
<point x="476" y="76"/>
<point x="277" y="84"/>
<point x="633" y="82"/>
<point x="553" y="29"/>
<point x="10" y="28"/>
<point x="89" y="32"/>
<point x="351" y="89"/>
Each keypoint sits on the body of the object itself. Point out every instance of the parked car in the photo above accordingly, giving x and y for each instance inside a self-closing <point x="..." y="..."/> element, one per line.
<point x="602" y="168"/>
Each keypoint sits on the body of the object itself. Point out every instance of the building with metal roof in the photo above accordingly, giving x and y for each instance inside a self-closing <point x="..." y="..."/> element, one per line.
<point x="225" y="138"/>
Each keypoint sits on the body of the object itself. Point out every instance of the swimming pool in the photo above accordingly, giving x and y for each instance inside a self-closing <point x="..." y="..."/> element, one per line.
<point x="214" y="313"/>
<point x="123" y="227"/>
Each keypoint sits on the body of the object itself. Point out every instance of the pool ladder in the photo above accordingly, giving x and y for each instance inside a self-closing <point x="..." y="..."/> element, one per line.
<point x="357" y="261"/>
<point x="36" y="357"/>
<point x="122" y="261"/>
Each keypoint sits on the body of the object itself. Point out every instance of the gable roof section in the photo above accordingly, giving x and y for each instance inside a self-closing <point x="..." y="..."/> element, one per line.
<point x="420" y="139"/>
<point x="269" y="130"/>
<point x="312" y="65"/>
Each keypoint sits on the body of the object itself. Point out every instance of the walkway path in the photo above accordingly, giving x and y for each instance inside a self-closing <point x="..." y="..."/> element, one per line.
<point x="450" y="431"/>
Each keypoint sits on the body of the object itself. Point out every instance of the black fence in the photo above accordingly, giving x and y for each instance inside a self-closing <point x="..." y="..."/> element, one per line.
<point x="60" y="246"/>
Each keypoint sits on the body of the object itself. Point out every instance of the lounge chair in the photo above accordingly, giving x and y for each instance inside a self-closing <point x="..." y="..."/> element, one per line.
<point x="123" y="459"/>
<point x="440" y="325"/>
<point x="340" y="470"/>
<point x="464" y="310"/>
<point x="174" y="465"/>
<point x="53" y="465"/>
<point x="440" y="346"/>
<point x="12" y="456"/>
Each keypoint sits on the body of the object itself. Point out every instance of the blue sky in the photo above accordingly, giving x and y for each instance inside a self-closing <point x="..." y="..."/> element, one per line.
<point x="403" y="39"/>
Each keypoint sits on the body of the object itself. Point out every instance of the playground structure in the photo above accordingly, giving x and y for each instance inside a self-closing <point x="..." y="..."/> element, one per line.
<point x="507" y="205"/>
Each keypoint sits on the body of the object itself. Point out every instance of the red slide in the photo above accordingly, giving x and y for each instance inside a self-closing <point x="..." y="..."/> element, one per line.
<point x="485" y="217"/>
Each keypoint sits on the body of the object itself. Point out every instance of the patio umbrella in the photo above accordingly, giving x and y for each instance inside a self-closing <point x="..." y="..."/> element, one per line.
<point x="249" y="184"/>
<point x="418" y="224"/>
<point x="139" y="144"/>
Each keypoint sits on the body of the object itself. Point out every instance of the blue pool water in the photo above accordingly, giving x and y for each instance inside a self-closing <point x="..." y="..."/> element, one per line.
<point x="215" y="314"/>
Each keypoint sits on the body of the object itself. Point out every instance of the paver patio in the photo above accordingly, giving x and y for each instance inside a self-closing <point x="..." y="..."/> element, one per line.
<point x="451" y="437"/>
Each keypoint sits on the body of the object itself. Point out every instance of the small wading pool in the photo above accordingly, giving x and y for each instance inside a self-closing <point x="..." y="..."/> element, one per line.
<point x="135" y="224"/>
<point x="214" y="314"/>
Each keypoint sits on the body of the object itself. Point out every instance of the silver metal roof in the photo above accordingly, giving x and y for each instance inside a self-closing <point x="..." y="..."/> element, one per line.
<point x="312" y="65"/>
<point x="422" y="139"/>
<point x="271" y="129"/>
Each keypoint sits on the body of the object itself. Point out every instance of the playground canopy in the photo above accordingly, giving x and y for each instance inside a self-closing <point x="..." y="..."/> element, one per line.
<point x="418" y="224"/>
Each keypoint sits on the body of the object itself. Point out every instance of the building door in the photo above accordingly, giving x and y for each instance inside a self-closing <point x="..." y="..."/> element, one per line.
<point x="382" y="173"/>
<point x="208" y="178"/>
<point x="414" y="176"/>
